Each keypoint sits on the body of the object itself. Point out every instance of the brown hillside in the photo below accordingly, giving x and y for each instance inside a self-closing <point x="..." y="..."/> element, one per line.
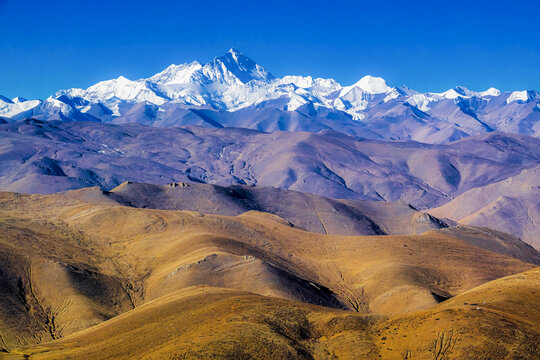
<point x="184" y="325"/>
<point x="68" y="264"/>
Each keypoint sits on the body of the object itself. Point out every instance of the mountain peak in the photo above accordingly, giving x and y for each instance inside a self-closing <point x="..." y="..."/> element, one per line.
<point x="462" y="90"/>
<point x="237" y="64"/>
<point x="372" y="84"/>
<point x="491" y="92"/>
<point x="458" y="91"/>
<point x="177" y="74"/>
<point x="523" y="96"/>
<point x="18" y="99"/>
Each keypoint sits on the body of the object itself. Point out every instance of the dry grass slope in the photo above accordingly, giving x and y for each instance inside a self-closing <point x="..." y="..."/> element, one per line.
<point x="184" y="325"/>
<point x="110" y="281"/>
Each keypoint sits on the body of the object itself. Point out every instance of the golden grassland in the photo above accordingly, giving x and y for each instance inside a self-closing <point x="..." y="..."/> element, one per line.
<point x="91" y="279"/>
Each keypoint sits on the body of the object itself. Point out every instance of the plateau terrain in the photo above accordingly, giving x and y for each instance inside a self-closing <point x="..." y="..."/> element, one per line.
<point x="92" y="274"/>
<point x="216" y="211"/>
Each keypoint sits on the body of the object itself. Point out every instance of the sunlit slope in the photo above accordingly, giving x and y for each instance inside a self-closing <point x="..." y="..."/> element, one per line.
<point x="511" y="205"/>
<point x="497" y="320"/>
<point x="51" y="283"/>
<point x="69" y="264"/>
<point x="210" y="323"/>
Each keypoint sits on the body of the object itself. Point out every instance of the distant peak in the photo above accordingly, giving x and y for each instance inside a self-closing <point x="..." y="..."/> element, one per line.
<point x="492" y="92"/>
<point x="173" y="68"/>
<point x="523" y="96"/>
<point x="454" y="93"/>
<point x="18" y="99"/>
<point x="180" y="66"/>
<point x="240" y="65"/>
<point x="236" y="55"/>
<point x="177" y="74"/>
<point x="462" y="90"/>
<point x="372" y="84"/>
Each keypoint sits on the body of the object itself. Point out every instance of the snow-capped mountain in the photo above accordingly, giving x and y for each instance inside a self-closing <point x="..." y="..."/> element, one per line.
<point x="233" y="90"/>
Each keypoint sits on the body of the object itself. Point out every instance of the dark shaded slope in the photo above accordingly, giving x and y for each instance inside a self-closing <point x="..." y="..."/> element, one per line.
<point x="307" y="211"/>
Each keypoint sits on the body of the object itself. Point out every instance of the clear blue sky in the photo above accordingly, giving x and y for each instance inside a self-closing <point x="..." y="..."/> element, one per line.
<point x="427" y="45"/>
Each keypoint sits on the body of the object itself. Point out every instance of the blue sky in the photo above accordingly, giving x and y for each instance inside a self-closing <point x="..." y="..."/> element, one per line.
<point x="427" y="45"/>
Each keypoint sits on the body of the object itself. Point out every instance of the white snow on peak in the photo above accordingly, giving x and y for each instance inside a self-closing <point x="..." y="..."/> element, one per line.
<point x="460" y="91"/>
<point x="124" y="89"/>
<point x="491" y="92"/>
<point x="10" y="108"/>
<point x="328" y="83"/>
<point x="300" y="81"/>
<point x="518" y="96"/>
<point x="177" y="74"/>
<point x="18" y="99"/>
<point x="234" y="81"/>
<point x="454" y="93"/>
<point x="295" y="102"/>
<point x="307" y="82"/>
<point x="421" y="101"/>
<point x="372" y="85"/>
<point x="234" y="53"/>
<point x="55" y="102"/>
<point x="228" y="82"/>
<point x="233" y="68"/>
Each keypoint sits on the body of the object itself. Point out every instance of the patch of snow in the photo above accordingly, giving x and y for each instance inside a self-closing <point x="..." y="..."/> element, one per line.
<point x="421" y="101"/>
<point x="518" y="96"/>
<point x="372" y="85"/>
<point x="18" y="99"/>
<point x="177" y="74"/>
<point x="491" y="92"/>
<point x="11" y="109"/>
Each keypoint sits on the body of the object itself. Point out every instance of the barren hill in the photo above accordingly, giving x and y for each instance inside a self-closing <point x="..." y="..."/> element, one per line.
<point x="511" y="205"/>
<point x="69" y="263"/>
<point x="304" y="210"/>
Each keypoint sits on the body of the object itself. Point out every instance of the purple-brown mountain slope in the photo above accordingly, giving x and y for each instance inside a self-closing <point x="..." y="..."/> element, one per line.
<point x="307" y="211"/>
<point x="46" y="157"/>
<point x="511" y="205"/>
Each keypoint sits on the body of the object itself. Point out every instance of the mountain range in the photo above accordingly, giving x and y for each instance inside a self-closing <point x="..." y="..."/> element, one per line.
<point x="234" y="91"/>
<point x="483" y="171"/>
<point x="215" y="211"/>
